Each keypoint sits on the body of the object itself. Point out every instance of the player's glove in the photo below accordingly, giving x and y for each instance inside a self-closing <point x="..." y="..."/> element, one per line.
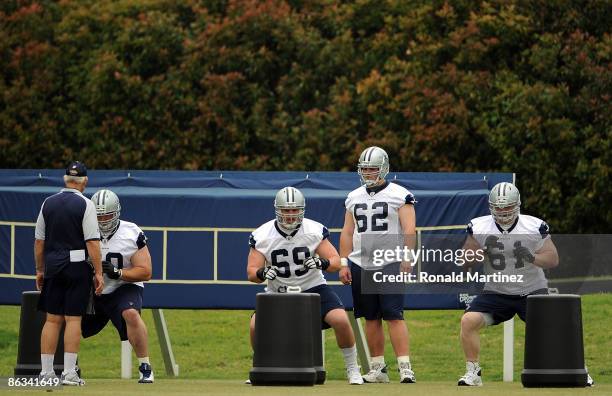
<point x="316" y="263"/>
<point x="110" y="270"/>
<point x="522" y="252"/>
<point x="268" y="273"/>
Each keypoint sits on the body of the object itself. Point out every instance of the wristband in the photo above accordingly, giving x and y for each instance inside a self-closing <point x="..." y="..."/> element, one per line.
<point x="343" y="262"/>
<point x="324" y="264"/>
<point x="260" y="274"/>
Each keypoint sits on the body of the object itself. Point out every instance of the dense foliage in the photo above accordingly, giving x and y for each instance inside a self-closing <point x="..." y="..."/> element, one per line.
<point x="520" y="85"/>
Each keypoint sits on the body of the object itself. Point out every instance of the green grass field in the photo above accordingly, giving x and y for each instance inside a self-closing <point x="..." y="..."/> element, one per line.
<point x="335" y="388"/>
<point x="214" y="356"/>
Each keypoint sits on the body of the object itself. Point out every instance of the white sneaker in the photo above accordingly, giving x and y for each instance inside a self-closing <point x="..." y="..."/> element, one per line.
<point x="247" y="382"/>
<point x="48" y="377"/>
<point x="406" y="374"/>
<point x="354" y="376"/>
<point x="146" y="374"/>
<point x="471" y="378"/>
<point x="378" y="373"/>
<point x="590" y="381"/>
<point x="72" y="378"/>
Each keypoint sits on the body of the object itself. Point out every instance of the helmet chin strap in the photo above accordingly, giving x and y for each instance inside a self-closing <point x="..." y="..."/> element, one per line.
<point x="375" y="183"/>
<point x="507" y="226"/>
<point x="111" y="232"/>
<point x="285" y="229"/>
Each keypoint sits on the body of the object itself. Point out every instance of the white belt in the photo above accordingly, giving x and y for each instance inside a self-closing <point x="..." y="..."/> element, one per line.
<point x="77" y="255"/>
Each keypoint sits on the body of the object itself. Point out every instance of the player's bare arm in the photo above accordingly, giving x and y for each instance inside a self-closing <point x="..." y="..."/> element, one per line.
<point x="471" y="259"/>
<point x="93" y="249"/>
<point x="346" y="245"/>
<point x="327" y="251"/>
<point x="39" y="258"/>
<point x="547" y="256"/>
<point x="407" y="218"/>
<point x="141" y="267"/>
<point x="255" y="262"/>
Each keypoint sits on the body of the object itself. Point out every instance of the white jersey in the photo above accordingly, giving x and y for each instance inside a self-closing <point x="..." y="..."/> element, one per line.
<point x="528" y="231"/>
<point x="376" y="215"/>
<point x="119" y="249"/>
<point x="288" y="251"/>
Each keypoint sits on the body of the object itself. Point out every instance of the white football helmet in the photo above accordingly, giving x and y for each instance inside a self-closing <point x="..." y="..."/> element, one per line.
<point x="107" y="203"/>
<point x="289" y="198"/>
<point x="505" y="204"/>
<point x="373" y="157"/>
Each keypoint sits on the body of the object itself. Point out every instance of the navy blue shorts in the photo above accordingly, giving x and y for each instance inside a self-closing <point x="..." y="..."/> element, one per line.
<point x="501" y="307"/>
<point x="374" y="306"/>
<point x="329" y="301"/>
<point x="68" y="291"/>
<point x="110" y="307"/>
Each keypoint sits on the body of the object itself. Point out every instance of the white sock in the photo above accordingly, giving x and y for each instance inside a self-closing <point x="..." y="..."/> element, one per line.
<point x="69" y="361"/>
<point x="143" y="360"/>
<point x="350" y="356"/>
<point x="378" y="359"/>
<point x="46" y="362"/>
<point x="403" y="359"/>
<point x="472" y="366"/>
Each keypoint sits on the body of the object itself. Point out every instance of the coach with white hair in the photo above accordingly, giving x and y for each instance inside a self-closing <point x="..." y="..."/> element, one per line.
<point x="66" y="235"/>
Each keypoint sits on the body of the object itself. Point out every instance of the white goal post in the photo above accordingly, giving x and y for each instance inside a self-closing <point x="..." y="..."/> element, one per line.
<point x="508" y="370"/>
<point x="172" y="369"/>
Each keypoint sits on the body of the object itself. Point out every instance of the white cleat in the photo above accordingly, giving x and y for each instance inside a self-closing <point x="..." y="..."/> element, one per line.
<point x="471" y="378"/>
<point x="71" y="378"/>
<point x="49" y="378"/>
<point x="354" y="376"/>
<point x="146" y="374"/>
<point x="377" y="373"/>
<point x="590" y="381"/>
<point x="406" y="374"/>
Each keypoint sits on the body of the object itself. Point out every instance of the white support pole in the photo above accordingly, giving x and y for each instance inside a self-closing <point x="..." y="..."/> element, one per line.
<point x="360" y="342"/>
<point x="126" y="360"/>
<point x="508" y="350"/>
<point x="323" y="346"/>
<point x="172" y="369"/>
<point x="509" y="338"/>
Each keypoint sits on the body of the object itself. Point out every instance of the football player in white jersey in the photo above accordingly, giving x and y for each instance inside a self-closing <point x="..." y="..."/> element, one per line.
<point x="126" y="264"/>
<point x="375" y="211"/>
<point x="292" y="251"/>
<point x="515" y="244"/>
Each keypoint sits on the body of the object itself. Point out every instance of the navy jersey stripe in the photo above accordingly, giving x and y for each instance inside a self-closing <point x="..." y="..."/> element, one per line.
<point x="325" y="233"/>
